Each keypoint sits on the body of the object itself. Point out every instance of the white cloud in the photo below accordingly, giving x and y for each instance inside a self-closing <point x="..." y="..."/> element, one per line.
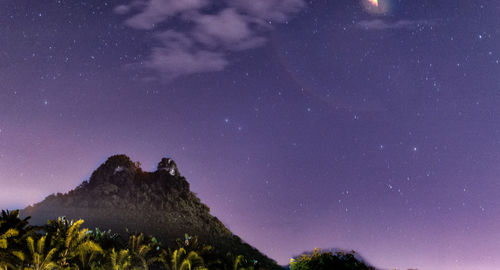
<point x="227" y="28"/>
<point x="272" y="10"/>
<point x="156" y="11"/>
<point x="210" y="31"/>
<point x="179" y="57"/>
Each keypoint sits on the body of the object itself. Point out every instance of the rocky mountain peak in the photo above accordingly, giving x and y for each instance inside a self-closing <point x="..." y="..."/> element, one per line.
<point x="168" y="164"/>
<point x="118" y="169"/>
<point x="120" y="195"/>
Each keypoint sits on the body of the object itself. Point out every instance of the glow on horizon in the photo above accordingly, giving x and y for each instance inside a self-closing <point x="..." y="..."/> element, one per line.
<point x="373" y="2"/>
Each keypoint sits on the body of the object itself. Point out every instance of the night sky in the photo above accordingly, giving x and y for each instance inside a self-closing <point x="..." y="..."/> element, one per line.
<point x="330" y="124"/>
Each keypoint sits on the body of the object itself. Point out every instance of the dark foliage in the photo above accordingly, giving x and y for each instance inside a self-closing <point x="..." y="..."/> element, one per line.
<point x="63" y="245"/>
<point x="328" y="261"/>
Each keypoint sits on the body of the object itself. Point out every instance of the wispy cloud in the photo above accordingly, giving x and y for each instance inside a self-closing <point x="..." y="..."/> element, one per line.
<point x="379" y="24"/>
<point x="179" y="56"/>
<point x="211" y="30"/>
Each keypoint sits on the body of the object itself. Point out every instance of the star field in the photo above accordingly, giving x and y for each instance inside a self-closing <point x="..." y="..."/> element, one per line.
<point x="302" y="124"/>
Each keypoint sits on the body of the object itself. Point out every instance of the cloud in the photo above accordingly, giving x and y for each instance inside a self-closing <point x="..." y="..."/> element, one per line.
<point x="378" y="24"/>
<point x="179" y="57"/>
<point x="121" y="9"/>
<point x="268" y="9"/>
<point x="156" y="11"/>
<point x="227" y="28"/>
<point x="211" y="29"/>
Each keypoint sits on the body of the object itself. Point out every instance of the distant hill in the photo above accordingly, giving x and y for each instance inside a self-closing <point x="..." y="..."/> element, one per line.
<point x="356" y="255"/>
<point x="333" y="258"/>
<point x="120" y="195"/>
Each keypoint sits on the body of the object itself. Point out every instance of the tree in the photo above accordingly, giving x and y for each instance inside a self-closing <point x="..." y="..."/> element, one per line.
<point x="106" y="239"/>
<point x="13" y="232"/>
<point x="77" y="251"/>
<point x="39" y="260"/>
<point x="180" y="260"/>
<point x="239" y="263"/>
<point x="6" y="256"/>
<point x="121" y="260"/>
<point x="140" y="250"/>
<point x="328" y="261"/>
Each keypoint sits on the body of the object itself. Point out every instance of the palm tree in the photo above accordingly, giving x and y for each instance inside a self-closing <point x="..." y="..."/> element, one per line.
<point x="39" y="261"/>
<point x="6" y="257"/>
<point x="121" y="260"/>
<point x="237" y="265"/>
<point x="179" y="260"/>
<point x="106" y="239"/>
<point x="12" y="220"/>
<point x="77" y="250"/>
<point x="139" y="250"/>
<point x="239" y="262"/>
<point x="145" y="250"/>
<point x="4" y="237"/>
<point x="13" y="232"/>
<point x="239" y="259"/>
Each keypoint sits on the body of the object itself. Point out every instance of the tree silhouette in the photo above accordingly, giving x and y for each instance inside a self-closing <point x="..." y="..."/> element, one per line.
<point x="121" y="260"/>
<point x="327" y="261"/>
<point x="39" y="260"/>
<point x="77" y="251"/>
<point x="13" y="234"/>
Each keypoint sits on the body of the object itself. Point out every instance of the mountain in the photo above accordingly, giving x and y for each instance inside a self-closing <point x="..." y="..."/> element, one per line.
<point x="119" y="195"/>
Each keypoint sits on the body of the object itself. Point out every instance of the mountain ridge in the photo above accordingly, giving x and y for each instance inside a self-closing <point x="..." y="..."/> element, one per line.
<point x="119" y="195"/>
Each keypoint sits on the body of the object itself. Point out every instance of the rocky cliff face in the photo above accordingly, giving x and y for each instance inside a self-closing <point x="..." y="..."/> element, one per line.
<point x="120" y="195"/>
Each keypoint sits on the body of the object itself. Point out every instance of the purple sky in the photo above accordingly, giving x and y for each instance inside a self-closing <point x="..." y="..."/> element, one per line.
<point x="300" y="124"/>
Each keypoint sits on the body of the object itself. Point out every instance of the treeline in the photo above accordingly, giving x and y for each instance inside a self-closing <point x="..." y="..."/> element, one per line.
<point x="64" y="244"/>
<point x="327" y="261"/>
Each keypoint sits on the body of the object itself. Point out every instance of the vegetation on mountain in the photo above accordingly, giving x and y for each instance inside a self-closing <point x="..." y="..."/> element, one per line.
<point x="327" y="261"/>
